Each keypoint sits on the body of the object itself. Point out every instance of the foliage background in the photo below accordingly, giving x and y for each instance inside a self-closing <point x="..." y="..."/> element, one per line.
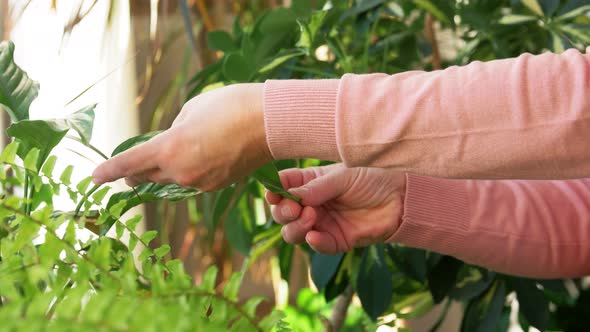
<point x="261" y="40"/>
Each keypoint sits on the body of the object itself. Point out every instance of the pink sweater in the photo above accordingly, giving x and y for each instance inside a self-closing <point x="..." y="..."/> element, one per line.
<point x="521" y="118"/>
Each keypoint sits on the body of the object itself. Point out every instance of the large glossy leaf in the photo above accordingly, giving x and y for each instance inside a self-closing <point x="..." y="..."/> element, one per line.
<point x="46" y="134"/>
<point x="374" y="284"/>
<point x="410" y="261"/>
<point x="237" y="67"/>
<point x="471" y="282"/>
<point x="17" y="90"/>
<point x="133" y="141"/>
<point x="269" y="177"/>
<point x="240" y="226"/>
<point x="82" y="121"/>
<point x="532" y="302"/>
<point x="221" y="206"/>
<point x="41" y="134"/>
<point x="443" y="276"/>
<point x="221" y="40"/>
<point x="285" y="255"/>
<point x="146" y="192"/>
<point x="323" y="268"/>
<point x="484" y="313"/>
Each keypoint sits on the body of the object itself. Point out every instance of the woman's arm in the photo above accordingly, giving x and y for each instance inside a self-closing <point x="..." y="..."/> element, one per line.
<point x="533" y="228"/>
<point x="527" y="117"/>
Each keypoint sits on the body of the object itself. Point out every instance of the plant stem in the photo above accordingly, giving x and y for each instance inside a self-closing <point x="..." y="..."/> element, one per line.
<point x="90" y="146"/>
<point x="340" y="308"/>
<point x="84" y="199"/>
<point x="26" y="194"/>
<point x="431" y="34"/>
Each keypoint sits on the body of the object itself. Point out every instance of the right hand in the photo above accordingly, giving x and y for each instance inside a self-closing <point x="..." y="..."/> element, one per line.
<point x="341" y="208"/>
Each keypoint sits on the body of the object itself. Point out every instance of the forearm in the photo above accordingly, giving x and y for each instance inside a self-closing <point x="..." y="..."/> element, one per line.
<point x="527" y="117"/>
<point x="537" y="229"/>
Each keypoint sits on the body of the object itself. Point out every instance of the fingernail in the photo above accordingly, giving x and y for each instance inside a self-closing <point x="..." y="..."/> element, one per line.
<point x="287" y="212"/>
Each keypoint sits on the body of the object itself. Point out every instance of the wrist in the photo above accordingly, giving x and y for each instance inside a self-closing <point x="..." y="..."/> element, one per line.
<point x="300" y="118"/>
<point x="252" y="96"/>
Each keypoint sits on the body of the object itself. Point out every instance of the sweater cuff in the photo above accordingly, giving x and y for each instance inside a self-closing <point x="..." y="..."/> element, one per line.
<point x="436" y="215"/>
<point x="300" y="117"/>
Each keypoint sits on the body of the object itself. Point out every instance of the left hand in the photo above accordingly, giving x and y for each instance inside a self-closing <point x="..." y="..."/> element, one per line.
<point x="341" y="208"/>
<point x="217" y="139"/>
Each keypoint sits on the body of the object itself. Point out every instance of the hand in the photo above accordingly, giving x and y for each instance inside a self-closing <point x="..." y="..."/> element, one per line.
<point x="341" y="208"/>
<point x="217" y="139"/>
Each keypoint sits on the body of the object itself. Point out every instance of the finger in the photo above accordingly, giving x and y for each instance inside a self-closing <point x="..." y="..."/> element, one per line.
<point x="272" y="198"/>
<point x="155" y="175"/>
<point x="321" y="189"/>
<point x="286" y="211"/>
<point x="296" y="177"/>
<point x="322" y="242"/>
<point x="129" y="163"/>
<point x="295" y="231"/>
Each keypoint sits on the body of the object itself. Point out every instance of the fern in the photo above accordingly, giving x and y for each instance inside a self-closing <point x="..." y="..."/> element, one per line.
<point x="55" y="282"/>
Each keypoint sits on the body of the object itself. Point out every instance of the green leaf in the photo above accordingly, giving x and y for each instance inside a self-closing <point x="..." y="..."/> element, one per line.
<point x="209" y="278"/>
<point x="532" y="302"/>
<point x="30" y="161"/>
<point x="236" y="67"/>
<point x="442" y="277"/>
<point x="516" y="19"/>
<point x="132" y="222"/>
<point x="337" y="284"/>
<point x="269" y="177"/>
<point x="82" y="121"/>
<point x="534" y="6"/>
<point x="99" y="195"/>
<point x="484" y="312"/>
<point x="162" y="251"/>
<point x="557" y="43"/>
<point x="280" y="59"/>
<point x="310" y="29"/>
<point x="41" y="134"/>
<point x="82" y="186"/>
<point x="146" y="192"/>
<point x="45" y="194"/>
<point x="46" y="134"/>
<point x="232" y="287"/>
<point x="48" y="166"/>
<point x="273" y="322"/>
<point x="148" y="236"/>
<point x="285" y="255"/>
<point x="17" y="90"/>
<point x="433" y="9"/>
<point x="9" y="153"/>
<point x="323" y="268"/>
<point x="374" y="283"/>
<point x="220" y="206"/>
<point x="574" y="13"/>
<point x="239" y="226"/>
<point x="410" y="261"/>
<point x="221" y="40"/>
<point x="251" y="305"/>
<point x="302" y="8"/>
<point x="66" y="175"/>
<point x="133" y="141"/>
<point x="471" y="282"/>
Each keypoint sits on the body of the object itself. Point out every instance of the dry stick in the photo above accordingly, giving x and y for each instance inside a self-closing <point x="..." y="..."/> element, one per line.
<point x="205" y="15"/>
<point x="340" y="308"/>
<point x="431" y="35"/>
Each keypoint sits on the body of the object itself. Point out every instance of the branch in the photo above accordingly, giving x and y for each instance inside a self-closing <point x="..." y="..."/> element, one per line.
<point x="431" y="35"/>
<point x="340" y="308"/>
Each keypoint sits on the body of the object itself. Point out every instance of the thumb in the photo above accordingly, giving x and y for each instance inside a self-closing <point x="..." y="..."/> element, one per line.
<point x="321" y="189"/>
